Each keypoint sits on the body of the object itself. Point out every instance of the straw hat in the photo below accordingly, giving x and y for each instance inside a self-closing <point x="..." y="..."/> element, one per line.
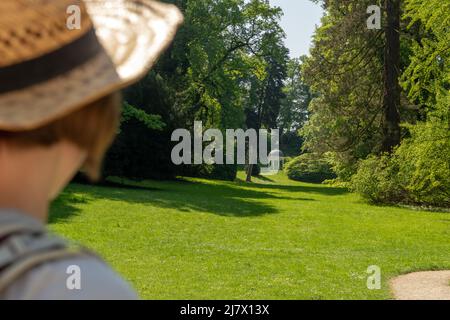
<point x="52" y="63"/>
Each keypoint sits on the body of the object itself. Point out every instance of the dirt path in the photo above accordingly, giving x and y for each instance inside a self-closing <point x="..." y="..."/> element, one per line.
<point x="429" y="285"/>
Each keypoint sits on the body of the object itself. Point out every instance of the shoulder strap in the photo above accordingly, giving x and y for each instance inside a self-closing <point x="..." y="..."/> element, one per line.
<point x="14" y="272"/>
<point x="14" y="223"/>
<point x="26" y="246"/>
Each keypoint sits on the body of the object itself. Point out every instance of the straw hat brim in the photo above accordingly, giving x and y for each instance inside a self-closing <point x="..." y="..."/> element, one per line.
<point x="133" y="37"/>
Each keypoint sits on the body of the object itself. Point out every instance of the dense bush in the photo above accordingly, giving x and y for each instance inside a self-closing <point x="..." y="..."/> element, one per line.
<point x="424" y="162"/>
<point x="286" y="161"/>
<point x="377" y="180"/>
<point x="309" y="168"/>
<point x="417" y="173"/>
<point x="219" y="172"/>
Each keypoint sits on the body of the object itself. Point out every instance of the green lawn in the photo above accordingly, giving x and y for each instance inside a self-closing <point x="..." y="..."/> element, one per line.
<point x="275" y="239"/>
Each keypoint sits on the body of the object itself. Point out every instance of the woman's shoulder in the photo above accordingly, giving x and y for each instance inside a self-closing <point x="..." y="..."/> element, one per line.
<point x="77" y="278"/>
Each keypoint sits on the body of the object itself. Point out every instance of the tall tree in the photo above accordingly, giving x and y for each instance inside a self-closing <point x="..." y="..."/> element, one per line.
<point x="264" y="103"/>
<point x="345" y="72"/>
<point x="294" y="108"/>
<point x="391" y="100"/>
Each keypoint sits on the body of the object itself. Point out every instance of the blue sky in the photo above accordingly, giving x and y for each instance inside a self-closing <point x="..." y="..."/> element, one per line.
<point x="299" y="21"/>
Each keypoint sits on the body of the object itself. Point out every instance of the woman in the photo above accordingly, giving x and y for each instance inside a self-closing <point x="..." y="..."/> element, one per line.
<point x="62" y="63"/>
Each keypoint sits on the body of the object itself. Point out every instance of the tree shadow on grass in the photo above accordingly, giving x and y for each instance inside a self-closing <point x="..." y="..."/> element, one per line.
<point x="319" y="189"/>
<point x="117" y="185"/>
<point x="265" y="178"/>
<point x="65" y="207"/>
<point x="215" y="198"/>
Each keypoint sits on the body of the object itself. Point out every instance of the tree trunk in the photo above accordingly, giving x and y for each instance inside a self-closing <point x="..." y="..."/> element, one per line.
<point x="249" y="173"/>
<point x="391" y="103"/>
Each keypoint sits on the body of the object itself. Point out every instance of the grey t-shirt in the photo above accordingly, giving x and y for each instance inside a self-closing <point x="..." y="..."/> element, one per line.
<point x="72" y="278"/>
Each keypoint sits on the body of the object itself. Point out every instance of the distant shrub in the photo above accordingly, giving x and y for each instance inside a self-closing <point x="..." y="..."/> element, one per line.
<point x="218" y="172"/>
<point x="418" y="172"/>
<point x="344" y="165"/>
<point x="309" y="168"/>
<point x="377" y="180"/>
<point x="286" y="160"/>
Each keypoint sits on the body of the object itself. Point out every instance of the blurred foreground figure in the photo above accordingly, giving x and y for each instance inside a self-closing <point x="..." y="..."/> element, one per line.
<point x="62" y="64"/>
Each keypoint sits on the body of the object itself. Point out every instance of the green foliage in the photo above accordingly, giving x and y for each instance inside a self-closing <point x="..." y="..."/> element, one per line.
<point x="346" y="117"/>
<point x="309" y="168"/>
<point x="219" y="172"/>
<point x="424" y="162"/>
<point x="344" y="71"/>
<point x="151" y="121"/>
<point x="429" y="71"/>
<point x="377" y="180"/>
<point x="287" y="160"/>
<point x="344" y="165"/>
<point x="229" y="68"/>
<point x="294" y="107"/>
<point x="142" y="149"/>
<point x="226" y="54"/>
<point x="417" y="173"/>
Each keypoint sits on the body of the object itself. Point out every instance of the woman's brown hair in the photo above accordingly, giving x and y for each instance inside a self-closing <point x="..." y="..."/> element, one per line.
<point x="91" y="128"/>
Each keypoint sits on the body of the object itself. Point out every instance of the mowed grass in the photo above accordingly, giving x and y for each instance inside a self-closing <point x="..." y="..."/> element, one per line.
<point x="275" y="239"/>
